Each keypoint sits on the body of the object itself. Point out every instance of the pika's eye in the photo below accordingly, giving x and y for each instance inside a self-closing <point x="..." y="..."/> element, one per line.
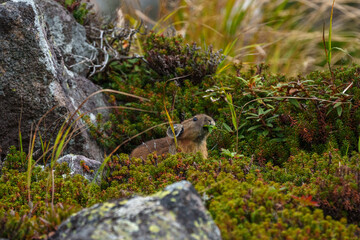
<point x="195" y="119"/>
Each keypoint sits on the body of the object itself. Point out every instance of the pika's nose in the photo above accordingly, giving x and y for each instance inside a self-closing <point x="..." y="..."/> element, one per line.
<point x="211" y="122"/>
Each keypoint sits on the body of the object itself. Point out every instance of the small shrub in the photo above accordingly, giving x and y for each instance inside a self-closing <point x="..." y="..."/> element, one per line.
<point x="170" y="57"/>
<point x="16" y="160"/>
<point x="78" y="8"/>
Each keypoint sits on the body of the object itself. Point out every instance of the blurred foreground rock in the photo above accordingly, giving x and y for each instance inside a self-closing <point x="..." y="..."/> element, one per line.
<point x="174" y="213"/>
<point x="33" y="80"/>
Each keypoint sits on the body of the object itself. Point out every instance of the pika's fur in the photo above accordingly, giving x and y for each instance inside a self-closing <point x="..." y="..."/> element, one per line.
<point x="191" y="137"/>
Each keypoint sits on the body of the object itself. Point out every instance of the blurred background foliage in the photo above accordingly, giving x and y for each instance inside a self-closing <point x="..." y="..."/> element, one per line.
<point x="286" y="34"/>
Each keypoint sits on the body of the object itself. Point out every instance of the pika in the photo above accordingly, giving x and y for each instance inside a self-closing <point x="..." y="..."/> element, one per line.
<point x="191" y="137"/>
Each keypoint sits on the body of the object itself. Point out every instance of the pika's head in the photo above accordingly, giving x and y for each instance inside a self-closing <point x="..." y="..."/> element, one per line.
<point x="194" y="129"/>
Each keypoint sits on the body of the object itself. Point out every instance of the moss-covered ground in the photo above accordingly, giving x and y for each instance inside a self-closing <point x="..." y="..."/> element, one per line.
<point x="283" y="159"/>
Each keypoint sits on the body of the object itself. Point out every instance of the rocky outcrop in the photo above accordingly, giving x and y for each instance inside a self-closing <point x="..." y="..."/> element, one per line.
<point x="33" y="80"/>
<point x="174" y="213"/>
<point x="81" y="165"/>
<point x="67" y="35"/>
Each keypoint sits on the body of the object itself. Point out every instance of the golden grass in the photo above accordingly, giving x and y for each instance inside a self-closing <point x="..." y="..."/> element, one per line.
<point x="285" y="34"/>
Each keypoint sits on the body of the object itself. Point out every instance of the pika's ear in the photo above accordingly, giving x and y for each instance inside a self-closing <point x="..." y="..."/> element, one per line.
<point x="178" y="130"/>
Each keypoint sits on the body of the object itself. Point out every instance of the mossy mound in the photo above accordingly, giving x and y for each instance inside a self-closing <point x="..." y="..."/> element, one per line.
<point x="313" y="196"/>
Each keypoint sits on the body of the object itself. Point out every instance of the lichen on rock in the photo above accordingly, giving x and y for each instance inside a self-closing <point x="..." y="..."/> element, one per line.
<point x="153" y="217"/>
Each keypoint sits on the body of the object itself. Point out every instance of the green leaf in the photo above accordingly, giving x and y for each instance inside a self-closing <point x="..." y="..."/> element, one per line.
<point x="329" y="111"/>
<point x="253" y="128"/>
<point x="242" y="125"/>
<point x="260" y="111"/>
<point x="339" y="110"/>
<point x="337" y="104"/>
<point x="267" y="111"/>
<point x="227" y="128"/>
<point x="210" y="128"/>
<point x="272" y="118"/>
<point x="255" y="117"/>
<point x="294" y="102"/>
<point x="272" y="189"/>
<point x="242" y="79"/>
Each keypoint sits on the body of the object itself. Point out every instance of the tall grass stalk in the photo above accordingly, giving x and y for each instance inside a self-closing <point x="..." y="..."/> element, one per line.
<point x="330" y="33"/>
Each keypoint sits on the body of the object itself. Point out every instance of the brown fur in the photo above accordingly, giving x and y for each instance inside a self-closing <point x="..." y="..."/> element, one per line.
<point x="191" y="140"/>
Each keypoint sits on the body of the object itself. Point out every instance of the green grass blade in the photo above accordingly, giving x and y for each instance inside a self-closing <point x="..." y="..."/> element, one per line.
<point x="56" y="143"/>
<point x="171" y="126"/>
<point x="222" y="66"/>
<point x="60" y="146"/>
<point x="167" y="17"/>
<point x="230" y="46"/>
<point x="228" y="10"/>
<point x="101" y="168"/>
<point x="21" y="148"/>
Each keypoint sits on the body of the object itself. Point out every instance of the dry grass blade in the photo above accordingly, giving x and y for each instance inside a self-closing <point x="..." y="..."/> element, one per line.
<point x="31" y="150"/>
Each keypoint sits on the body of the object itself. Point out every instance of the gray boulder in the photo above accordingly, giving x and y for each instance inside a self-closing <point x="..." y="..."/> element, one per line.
<point x="174" y="213"/>
<point x="67" y="35"/>
<point x="33" y="80"/>
<point x="82" y="165"/>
